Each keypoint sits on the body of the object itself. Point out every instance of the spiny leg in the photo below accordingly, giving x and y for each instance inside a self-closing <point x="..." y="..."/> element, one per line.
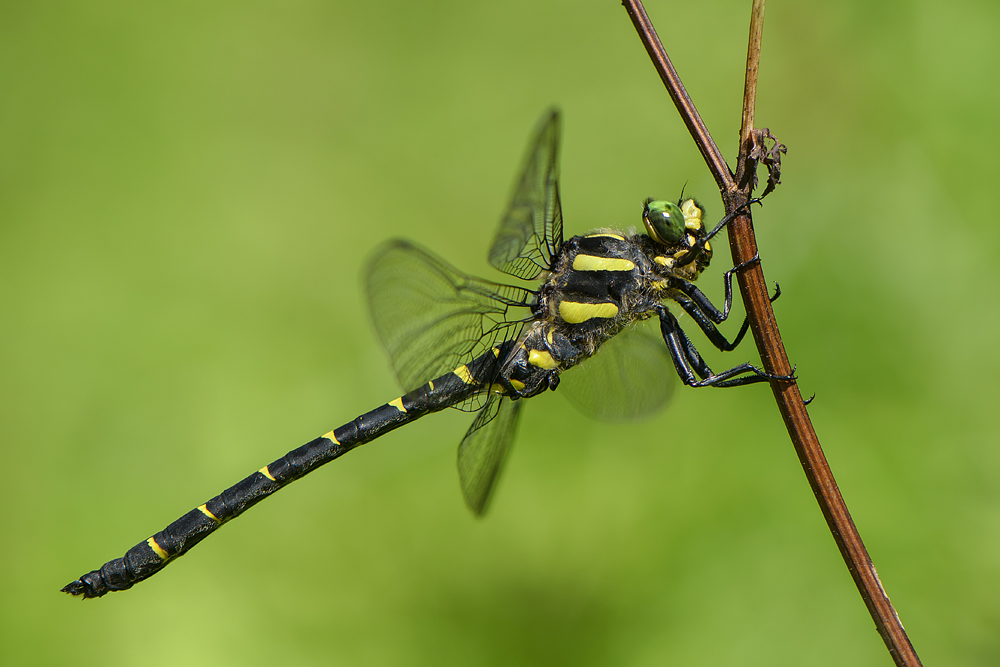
<point x="706" y="305"/>
<point x="729" y="218"/>
<point x="708" y="327"/>
<point x="679" y="349"/>
<point x="707" y="316"/>
<point x="688" y="361"/>
<point x="727" y="378"/>
<point x="700" y="244"/>
<point x="692" y="354"/>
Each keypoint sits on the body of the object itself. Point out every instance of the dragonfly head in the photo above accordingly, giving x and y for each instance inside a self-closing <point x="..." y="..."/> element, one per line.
<point x="678" y="227"/>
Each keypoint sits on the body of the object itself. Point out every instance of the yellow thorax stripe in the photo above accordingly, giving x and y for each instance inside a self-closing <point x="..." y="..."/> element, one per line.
<point x="608" y="234"/>
<point x="595" y="263"/>
<point x="575" y="312"/>
<point x="542" y="359"/>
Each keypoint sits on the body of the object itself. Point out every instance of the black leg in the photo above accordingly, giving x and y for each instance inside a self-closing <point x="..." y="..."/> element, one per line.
<point x="727" y="378"/>
<point x="706" y="305"/>
<point x="729" y="218"/>
<point x="681" y="349"/>
<point x="699" y="246"/>
<point x="704" y="321"/>
<point x="688" y="362"/>
<point x="706" y="315"/>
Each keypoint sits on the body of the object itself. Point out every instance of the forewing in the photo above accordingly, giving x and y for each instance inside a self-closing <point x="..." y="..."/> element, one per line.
<point x="431" y="317"/>
<point x="530" y="232"/>
<point x="630" y="377"/>
<point x="483" y="450"/>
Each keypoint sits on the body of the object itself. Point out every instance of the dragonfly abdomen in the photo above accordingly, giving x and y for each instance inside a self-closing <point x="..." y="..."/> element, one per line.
<point x="153" y="554"/>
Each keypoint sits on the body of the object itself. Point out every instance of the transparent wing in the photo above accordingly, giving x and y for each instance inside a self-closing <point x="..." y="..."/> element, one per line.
<point x="630" y="377"/>
<point x="432" y="318"/>
<point x="484" y="448"/>
<point x="530" y="232"/>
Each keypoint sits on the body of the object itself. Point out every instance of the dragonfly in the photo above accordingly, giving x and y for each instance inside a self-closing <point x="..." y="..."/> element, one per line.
<point x="456" y="341"/>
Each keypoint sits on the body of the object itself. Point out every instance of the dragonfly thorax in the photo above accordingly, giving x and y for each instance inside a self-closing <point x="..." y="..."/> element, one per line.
<point x="599" y="284"/>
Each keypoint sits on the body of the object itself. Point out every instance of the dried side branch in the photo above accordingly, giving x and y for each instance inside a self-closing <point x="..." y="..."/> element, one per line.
<point x="769" y="157"/>
<point x="736" y="191"/>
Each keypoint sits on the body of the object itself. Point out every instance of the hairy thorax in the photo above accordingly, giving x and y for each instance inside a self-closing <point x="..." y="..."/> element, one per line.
<point x="601" y="283"/>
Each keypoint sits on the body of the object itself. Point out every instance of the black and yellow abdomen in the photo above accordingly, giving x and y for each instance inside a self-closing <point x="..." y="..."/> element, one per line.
<point x="153" y="554"/>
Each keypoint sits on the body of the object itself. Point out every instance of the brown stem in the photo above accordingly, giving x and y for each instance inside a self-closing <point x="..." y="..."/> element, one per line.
<point x="685" y="107"/>
<point x="750" y="85"/>
<point x="736" y="193"/>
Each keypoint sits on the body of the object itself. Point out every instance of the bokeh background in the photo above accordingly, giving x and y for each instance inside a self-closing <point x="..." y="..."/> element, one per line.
<point x="188" y="193"/>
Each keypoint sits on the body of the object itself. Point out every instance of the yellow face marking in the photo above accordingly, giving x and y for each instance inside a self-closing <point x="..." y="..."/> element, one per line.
<point x="331" y="437"/>
<point x="692" y="214"/>
<point x="463" y="374"/>
<point x="157" y="549"/>
<point x="204" y="510"/>
<point x="517" y="384"/>
<point x="575" y="312"/>
<point x="680" y="253"/>
<point x="594" y="263"/>
<point x="664" y="261"/>
<point x="708" y="247"/>
<point x="613" y="236"/>
<point x="267" y="473"/>
<point x="542" y="359"/>
<point x="689" y="239"/>
<point x="398" y="404"/>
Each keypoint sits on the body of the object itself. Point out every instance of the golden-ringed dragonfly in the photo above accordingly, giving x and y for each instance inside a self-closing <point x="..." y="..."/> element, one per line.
<point x="462" y="342"/>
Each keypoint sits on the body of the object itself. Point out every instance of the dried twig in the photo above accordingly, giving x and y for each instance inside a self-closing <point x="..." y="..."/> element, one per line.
<point x="735" y="191"/>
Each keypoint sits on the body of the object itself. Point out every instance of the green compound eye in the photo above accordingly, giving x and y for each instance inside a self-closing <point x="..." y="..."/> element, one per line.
<point x="664" y="221"/>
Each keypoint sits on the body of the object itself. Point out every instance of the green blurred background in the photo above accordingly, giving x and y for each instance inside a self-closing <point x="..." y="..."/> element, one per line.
<point x="188" y="193"/>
